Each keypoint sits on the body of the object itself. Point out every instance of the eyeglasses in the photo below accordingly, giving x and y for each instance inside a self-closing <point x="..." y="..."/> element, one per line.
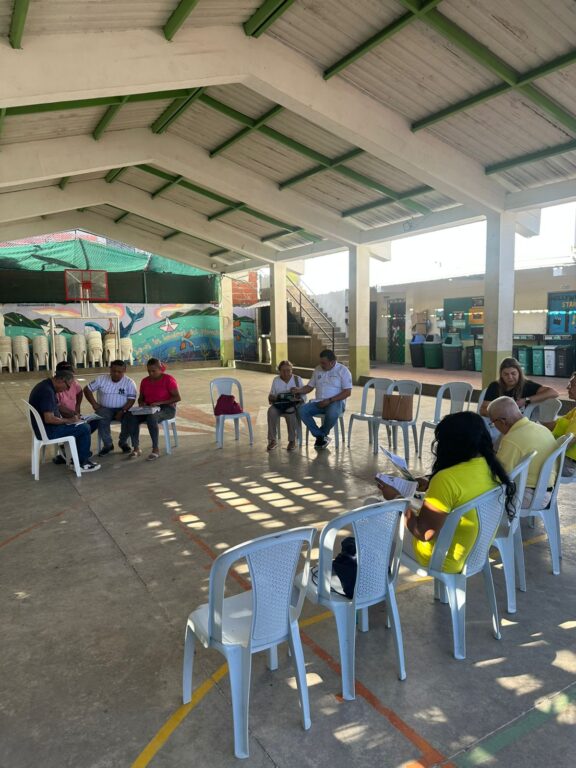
<point x="498" y="418"/>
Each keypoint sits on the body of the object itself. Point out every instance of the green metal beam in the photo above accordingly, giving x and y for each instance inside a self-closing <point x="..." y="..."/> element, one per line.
<point x="494" y="64"/>
<point x="378" y="38"/>
<point x="321" y="168"/>
<point x="17" y="23"/>
<point x="2" y="118"/>
<point x="121" y="217"/>
<point x="107" y="118"/>
<point x="63" y="181"/>
<point x="530" y="157"/>
<point x="382" y="201"/>
<point x="165" y="187"/>
<point x="178" y="17"/>
<point x="265" y="16"/>
<point x="225" y="211"/>
<point x="172" y="234"/>
<point x="230" y="112"/>
<point x="174" y="111"/>
<point x="220" y="252"/>
<point x="247" y="131"/>
<point x="115" y="174"/>
<point x="186" y="184"/>
<point x="526" y="79"/>
<point x="281" y="233"/>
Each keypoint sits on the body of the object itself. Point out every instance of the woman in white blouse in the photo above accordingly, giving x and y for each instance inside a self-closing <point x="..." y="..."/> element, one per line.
<point x="281" y="386"/>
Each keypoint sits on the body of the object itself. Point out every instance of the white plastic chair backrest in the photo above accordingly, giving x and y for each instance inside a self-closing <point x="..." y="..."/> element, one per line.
<point x="543" y="412"/>
<point x="225" y="386"/>
<point x="380" y="389"/>
<point x="272" y="562"/>
<point x="407" y="387"/>
<point x="481" y="399"/>
<point x="489" y="508"/>
<point x="555" y="458"/>
<point x="378" y="530"/>
<point x="39" y="423"/>
<point x="519" y="476"/>
<point x="460" y="393"/>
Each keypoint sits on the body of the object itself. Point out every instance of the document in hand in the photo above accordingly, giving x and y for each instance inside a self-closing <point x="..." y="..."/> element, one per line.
<point x="90" y="417"/>
<point x="144" y="410"/>
<point x="399" y="463"/>
<point x="405" y="488"/>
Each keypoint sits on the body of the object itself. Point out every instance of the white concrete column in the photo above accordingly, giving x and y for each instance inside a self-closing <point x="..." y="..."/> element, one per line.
<point x="278" y="314"/>
<point x="226" y="321"/>
<point x="498" y="293"/>
<point x="359" y="310"/>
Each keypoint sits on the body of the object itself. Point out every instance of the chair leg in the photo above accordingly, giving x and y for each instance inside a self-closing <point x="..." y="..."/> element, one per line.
<point x="166" y="429"/>
<point x="188" y="666"/>
<point x="273" y="658"/>
<point x="421" y="442"/>
<point x="295" y="645"/>
<point x="175" y="434"/>
<point x="343" y="430"/>
<point x="363" y="623"/>
<point x="394" y="616"/>
<point x="240" y="668"/>
<point x="75" y="459"/>
<point x="456" y="589"/>
<point x="336" y="435"/>
<point x="440" y="591"/>
<point x="346" y="628"/>
<point x="370" y="437"/>
<point x="236" y="429"/>
<point x="350" y="423"/>
<point x="220" y="431"/>
<point x="415" y="437"/>
<point x="406" y="439"/>
<point x="506" y="549"/>
<point x="491" y="595"/>
<point x="249" y="422"/>
<point x="375" y="427"/>
<point x="36" y="460"/>
<point x="549" y="520"/>
<point x="519" y="560"/>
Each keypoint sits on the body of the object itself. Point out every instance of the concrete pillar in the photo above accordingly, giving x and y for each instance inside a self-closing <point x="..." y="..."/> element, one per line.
<point x="226" y="321"/>
<point x="498" y="293"/>
<point x="278" y="314"/>
<point x="359" y="311"/>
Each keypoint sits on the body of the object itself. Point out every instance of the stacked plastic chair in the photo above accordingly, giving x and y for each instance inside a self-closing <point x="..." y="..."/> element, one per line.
<point x="111" y="350"/>
<point x="78" y="350"/>
<point x="5" y="353"/>
<point x="95" y="348"/>
<point x="60" y="349"/>
<point x="127" y="351"/>
<point x="20" y="353"/>
<point x="40" y="353"/>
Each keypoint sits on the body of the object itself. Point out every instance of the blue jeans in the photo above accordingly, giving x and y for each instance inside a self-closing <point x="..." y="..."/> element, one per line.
<point x="331" y="414"/>
<point x="82" y="434"/>
<point x="103" y="426"/>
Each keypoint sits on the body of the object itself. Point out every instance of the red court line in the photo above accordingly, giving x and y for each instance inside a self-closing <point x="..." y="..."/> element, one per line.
<point x="31" y="528"/>
<point x="429" y="756"/>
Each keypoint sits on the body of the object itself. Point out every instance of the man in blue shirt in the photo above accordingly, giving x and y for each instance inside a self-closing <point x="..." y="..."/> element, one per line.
<point x="43" y="399"/>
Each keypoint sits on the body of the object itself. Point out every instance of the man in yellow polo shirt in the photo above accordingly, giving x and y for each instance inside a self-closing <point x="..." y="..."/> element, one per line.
<point x="567" y="425"/>
<point x="519" y="437"/>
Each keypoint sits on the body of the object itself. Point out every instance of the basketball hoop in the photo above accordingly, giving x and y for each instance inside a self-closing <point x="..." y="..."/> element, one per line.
<point x="86" y="285"/>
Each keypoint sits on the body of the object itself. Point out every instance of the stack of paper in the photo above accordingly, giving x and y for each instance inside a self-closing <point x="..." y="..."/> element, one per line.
<point x="144" y="410"/>
<point x="406" y="488"/>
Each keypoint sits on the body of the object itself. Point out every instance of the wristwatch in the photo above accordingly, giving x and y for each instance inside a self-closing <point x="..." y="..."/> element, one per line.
<point x="527" y="400"/>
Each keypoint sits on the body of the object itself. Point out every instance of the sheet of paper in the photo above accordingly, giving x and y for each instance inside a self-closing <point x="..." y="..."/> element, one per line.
<point x="90" y="417"/>
<point x="399" y="463"/>
<point x="405" y="488"/>
<point x="144" y="410"/>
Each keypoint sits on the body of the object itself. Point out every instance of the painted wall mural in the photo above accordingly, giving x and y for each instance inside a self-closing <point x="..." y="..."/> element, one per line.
<point x="171" y="332"/>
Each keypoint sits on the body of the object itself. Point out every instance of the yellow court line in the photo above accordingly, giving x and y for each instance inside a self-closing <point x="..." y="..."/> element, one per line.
<point x="170" y="725"/>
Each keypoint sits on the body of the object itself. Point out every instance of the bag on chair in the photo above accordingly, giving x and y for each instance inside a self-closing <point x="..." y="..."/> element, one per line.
<point x="344" y="569"/>
<point x="397" y="407"/>
<point x="226" y="405"/>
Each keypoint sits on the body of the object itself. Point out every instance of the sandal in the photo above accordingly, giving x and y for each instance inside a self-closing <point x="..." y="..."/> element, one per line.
<point x="135" y="453"/>
<point x="271" y="445"/>
<point x="153" y="456"/>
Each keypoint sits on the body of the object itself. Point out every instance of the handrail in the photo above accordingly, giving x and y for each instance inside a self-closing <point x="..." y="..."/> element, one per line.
<point x="329" y="336"/>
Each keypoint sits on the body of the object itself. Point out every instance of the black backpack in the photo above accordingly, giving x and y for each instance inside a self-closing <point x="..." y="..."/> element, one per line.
<point x="344" y="568"/>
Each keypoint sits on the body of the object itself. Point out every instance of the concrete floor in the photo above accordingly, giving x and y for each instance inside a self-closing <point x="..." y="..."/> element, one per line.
<point x="99" y="574"/>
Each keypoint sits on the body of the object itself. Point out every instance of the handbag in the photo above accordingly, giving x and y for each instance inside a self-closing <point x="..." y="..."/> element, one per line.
<point x="397" y="407"/>
<point x="344" y="569"/>
<point x="226" y="405"/>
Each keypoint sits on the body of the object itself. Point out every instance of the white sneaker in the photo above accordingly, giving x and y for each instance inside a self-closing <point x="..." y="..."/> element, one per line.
<point x="88" y="466"/>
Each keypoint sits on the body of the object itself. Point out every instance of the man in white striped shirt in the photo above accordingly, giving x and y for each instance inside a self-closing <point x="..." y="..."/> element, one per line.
<point x="116" y="395"/>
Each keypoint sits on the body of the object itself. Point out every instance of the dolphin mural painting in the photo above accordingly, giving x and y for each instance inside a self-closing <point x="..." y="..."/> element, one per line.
<point x="125" y="330"/>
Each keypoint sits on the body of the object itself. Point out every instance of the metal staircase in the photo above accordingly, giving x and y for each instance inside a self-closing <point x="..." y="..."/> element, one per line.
<point x="316" y="322"/>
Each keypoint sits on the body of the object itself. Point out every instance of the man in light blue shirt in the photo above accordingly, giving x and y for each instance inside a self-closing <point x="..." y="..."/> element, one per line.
<point x="333" y="384"/>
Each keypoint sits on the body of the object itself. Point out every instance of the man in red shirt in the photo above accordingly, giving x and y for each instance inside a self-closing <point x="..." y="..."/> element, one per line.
<point x="158" y="391"/>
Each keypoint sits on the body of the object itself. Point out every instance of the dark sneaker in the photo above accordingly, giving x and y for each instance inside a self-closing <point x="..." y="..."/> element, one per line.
<point x="124" y="447"/>
<point x="322" y="443"/>
<point x="106" y="450"/>
<point x="59" y="459"/>
<point x="89" y="466"/>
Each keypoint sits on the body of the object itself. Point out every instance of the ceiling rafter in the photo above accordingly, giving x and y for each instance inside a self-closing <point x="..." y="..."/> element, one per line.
<point x="107" y="118"/>
<point x="494" y="64"/>
<point x="384" y="34"/>
<point x="18" y="22"/>
<point x="115" y="174"/>
<point x="175" y="110"/>
<point x="383" y="201"/>
<point x="63" y="182"/>
<point x="247" y="130"/>
<point x="178" y="17"/>
<point x="101" y="101"/>
<point x="531" y="157"/>
<point x="265" y="16"/>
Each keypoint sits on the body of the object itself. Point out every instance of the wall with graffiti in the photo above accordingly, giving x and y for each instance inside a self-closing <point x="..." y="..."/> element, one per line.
<point x="171" y="332"/>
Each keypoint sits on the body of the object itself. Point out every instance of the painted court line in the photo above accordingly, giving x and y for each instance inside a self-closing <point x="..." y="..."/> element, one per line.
<point x="31" y="528"/>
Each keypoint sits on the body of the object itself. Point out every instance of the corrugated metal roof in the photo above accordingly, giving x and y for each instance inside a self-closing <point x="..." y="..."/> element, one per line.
<point x="241" y="98"/>
<point x="88" y="176"/>
<point x="204" y="126"/>
<point x="145" y="225"/>
<point x="107" y="211"/>
<point x="299" y="129"/>
<point x="268" y="158"/>
<point x="560" y="168"/>
<point x="31" y="185"/>
<point x="383" y="172"/>
<point x="50" y="125"/>
<point x="134" y="177"/>
<point x="250" y="225"/>
<point x="198" y="245"/>
<point x="221" y="12"/>
<point x="138" y="115"/>
<point x="192" y="201"/>
<point x="335" y="191"/>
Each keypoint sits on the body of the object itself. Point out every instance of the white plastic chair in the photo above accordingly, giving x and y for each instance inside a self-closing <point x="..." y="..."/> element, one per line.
<point x="378" y="530"/>
<point x="481" y="398"/>
<point x="543" y="412"/>
<point x="459" y="394"/>
<point x="39" y="444"/>
<point x="508" y="543"/>
<point x="256" y="620"/>
<point x="403" y="387"/>
<point x="166" y="425"/>
<point x="298" y="431"/>
<point x="451" y="587"/>
<point x="548" y="513"/>
<point x="224" y="385"/>
<point x="338" y="428"/>
<point x="380" y="387"/>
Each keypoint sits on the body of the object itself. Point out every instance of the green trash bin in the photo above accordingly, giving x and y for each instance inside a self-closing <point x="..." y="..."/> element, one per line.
<point x="452" y="353"/>
<point x="538" y="361"/>
<point x="433" y="351"/>
<point x="469" y="359"/>
<point x="477" y="358"/>
<point x="524" y="357"/>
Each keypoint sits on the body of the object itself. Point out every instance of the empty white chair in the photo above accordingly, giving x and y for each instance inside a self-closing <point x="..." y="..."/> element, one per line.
<point x="39" y="444"/>
<point x="508" y="542"/>
<point x="167" y="425"/>
<point x="543" y="412"/>
<point x="378" y="530"/>
<point x="459" y="394"/>
<point x="225" y="385"/>
<point x="403" y="387"/>
<point x="256" y="620"/>
<point x="78" y="350"/>
<point x="20" y="353"/>
<point x="6" y="353"/>
<point x="339" y="431"/>
<point x="40" y="353"/>
<point x="379" y="387"/>
<point x="451" y="587"/>
<point x="548" y="512"/>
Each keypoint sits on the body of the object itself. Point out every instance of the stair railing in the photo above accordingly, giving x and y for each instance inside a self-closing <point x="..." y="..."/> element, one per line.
<point x="300" y="294"/>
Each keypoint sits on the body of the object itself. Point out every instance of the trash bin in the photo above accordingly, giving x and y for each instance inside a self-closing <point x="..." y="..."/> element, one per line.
<point x="564" y="361"/>
<point x="452" y="353"/>
<point x="477" y="358"/>
<point x="549" y="361"/>
<point x="433" y="351"/>
<point x="538" y="361"/>
<point x="417" y="350"/>
<point x="524" y="357"/>
<point x="469" y="358"/>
